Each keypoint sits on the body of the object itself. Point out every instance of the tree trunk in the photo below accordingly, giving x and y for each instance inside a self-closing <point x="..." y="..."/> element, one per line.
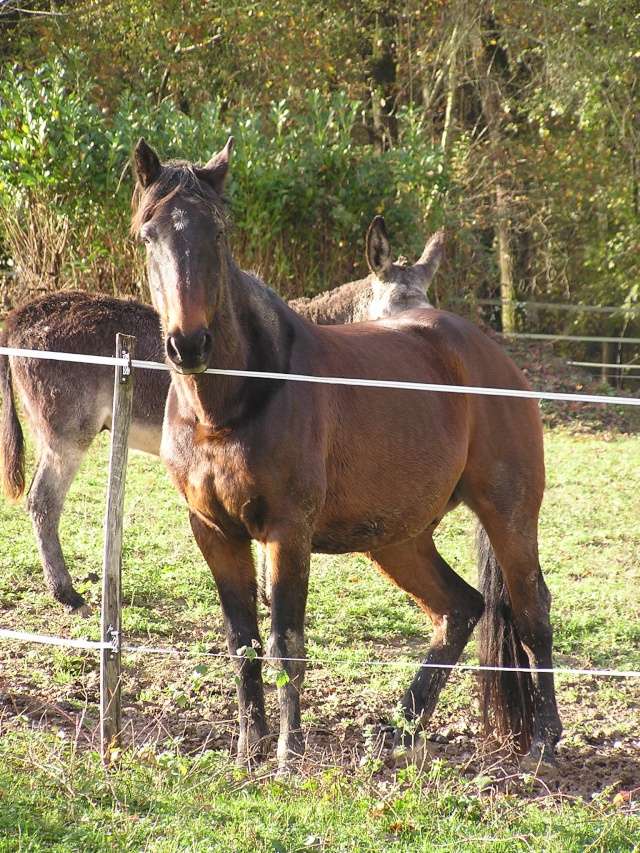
<point x="491" y="63"/>
<point x="505" y="261"/>
<point x="452" y="85"/>
<point x="382" y="81"/>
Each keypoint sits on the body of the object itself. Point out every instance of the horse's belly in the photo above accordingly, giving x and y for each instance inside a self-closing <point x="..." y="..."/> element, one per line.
<point x="383" y="522"/>
<point x="340" y="536"/>
<point x="379" y="495"/>
<point x="343" y="537"/>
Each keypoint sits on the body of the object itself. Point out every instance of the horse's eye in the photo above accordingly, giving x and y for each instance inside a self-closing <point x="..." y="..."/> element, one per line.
<point x="145" y="235"/>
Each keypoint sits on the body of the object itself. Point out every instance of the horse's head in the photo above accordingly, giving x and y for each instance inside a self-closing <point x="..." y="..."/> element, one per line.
<point x="399" y="285"/>
<point x="179" y="214"/>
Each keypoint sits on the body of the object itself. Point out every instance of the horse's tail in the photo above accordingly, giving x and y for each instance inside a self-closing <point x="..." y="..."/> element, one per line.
<point x="11" y="437"/>
<point x="507" y="696"/>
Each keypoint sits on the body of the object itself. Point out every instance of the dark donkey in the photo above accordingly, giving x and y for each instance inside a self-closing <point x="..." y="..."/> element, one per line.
<point x="303" y="467"/>
<point x="68" y="404"/>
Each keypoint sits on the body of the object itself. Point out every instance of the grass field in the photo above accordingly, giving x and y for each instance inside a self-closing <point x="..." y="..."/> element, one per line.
<point x="175" y="787"/>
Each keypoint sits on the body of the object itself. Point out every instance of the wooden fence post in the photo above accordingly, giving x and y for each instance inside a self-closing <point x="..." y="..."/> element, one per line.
<point x="607" y="358"/>
<point x="110" y="722"/>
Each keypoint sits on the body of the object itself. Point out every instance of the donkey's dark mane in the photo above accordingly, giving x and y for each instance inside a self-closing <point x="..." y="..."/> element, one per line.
<point x="175" y="176"/>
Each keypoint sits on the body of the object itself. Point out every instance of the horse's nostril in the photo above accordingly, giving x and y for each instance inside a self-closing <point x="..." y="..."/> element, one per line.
<point x="189" y="353"/>
<point x="172" y="350"/>
<point x="206" y="341"/>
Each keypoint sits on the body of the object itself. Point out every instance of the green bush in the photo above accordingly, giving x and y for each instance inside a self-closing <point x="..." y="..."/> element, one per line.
<point x="304" y="186"/>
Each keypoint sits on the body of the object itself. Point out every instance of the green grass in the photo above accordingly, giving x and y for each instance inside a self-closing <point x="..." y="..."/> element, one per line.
<point x="58" y="799"/>
<point x="176" y="788"/>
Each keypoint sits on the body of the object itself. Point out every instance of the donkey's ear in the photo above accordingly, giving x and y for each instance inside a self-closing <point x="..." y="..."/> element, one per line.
<point x="427" y="265"/>
<point x="146" y="163"/>
<point x="377" y="247"/>
<point x="215" y="172"/>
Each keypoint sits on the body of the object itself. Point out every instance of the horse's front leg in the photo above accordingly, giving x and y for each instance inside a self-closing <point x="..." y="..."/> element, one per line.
<point x="231" y="564"/>
<point x="288" y="560"/>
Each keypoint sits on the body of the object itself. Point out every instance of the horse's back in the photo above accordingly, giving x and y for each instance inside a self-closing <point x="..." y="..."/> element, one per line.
<point x="506" y="453"/>
<point x="492" y="442"/>
<point x="423" y="343"/>
<point x="81" y="322"/>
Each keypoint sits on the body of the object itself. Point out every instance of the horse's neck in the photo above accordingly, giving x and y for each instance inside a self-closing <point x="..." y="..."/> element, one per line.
<point x="247" y="335"/>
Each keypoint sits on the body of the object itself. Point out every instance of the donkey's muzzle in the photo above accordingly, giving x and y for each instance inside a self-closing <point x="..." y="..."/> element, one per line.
<point x="189" y="353"/>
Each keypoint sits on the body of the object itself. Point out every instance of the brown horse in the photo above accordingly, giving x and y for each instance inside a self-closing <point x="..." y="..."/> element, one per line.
<point x="68" y="404"/>
<point x="302" y="467"/>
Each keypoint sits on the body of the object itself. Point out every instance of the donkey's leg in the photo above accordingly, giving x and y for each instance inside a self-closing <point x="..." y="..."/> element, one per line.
<point x="57" y="466"/>
<point x="288" y="561"/>
<point x="453" y="606"/>
<point x="231" y="564"/>
<point x="515" y="542"/>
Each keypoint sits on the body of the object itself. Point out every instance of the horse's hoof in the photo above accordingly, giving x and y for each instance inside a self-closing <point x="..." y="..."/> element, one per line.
<point x="540" y="760"/>
<point x="412" y="752"/>
<point x="290" y="752"/>
<point x="253" y="749"/>
<point x="83" y="610"/>
<point x="289" y="769"/>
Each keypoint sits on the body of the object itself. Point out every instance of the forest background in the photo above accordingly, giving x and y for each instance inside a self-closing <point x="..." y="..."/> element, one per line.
<point x="515" y="125"/>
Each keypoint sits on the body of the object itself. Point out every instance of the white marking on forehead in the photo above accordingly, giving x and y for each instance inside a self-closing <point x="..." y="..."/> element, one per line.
<point x="180" y="219"/>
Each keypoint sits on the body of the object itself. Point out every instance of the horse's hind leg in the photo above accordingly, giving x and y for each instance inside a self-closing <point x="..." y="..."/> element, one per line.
<point x="453" y="606"/>
<point x="513" y="538"/>
<point x="57" y="466"/>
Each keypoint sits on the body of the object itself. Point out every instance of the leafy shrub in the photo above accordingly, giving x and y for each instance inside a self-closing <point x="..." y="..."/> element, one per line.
<point x="303" y="191"/>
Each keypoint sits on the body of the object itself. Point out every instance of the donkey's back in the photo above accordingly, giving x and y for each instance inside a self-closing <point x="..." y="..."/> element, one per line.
<point x="67" y="404"/>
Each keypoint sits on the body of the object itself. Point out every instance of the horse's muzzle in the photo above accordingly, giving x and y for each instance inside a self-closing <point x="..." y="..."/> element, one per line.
<point x="189" y="353"/>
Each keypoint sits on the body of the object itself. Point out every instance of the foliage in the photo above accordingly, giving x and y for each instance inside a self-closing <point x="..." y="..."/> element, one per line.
<point x="428" y="111"/>
<point x="302" y="190"/>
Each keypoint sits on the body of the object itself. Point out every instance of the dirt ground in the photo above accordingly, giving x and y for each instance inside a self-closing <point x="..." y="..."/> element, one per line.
<point x="349" y="724"/>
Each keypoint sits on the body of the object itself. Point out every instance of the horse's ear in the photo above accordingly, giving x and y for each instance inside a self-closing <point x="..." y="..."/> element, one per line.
<point x="215" y="172"/>
<point x="146" y="163"/>
<point x="378" y="249"/>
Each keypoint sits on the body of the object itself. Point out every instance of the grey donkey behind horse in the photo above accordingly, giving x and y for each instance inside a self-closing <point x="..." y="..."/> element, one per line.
<point x="67" y="404"/>
<point x="388" y="290"/>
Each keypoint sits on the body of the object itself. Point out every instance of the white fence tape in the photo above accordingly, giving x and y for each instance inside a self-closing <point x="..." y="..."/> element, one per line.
<point x="605" y="364"/>
<point x="429" y="386"/>
<point x="47" y="640"/>
<point x="337" y="380"/>
<point x="593" y="338"/>
<point x="624" y="310"/>
<point x="326" y="662"/>
<point x="47" y="355"/>
<point x="25" y="637"/>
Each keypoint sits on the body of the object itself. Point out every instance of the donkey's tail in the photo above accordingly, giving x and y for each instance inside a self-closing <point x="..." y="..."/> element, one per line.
<point x="507" y="696"/>
<point x="11" y="437"/>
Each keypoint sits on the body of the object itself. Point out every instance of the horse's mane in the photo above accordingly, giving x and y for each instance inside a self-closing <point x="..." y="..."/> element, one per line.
<point x="175" y="176"/>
